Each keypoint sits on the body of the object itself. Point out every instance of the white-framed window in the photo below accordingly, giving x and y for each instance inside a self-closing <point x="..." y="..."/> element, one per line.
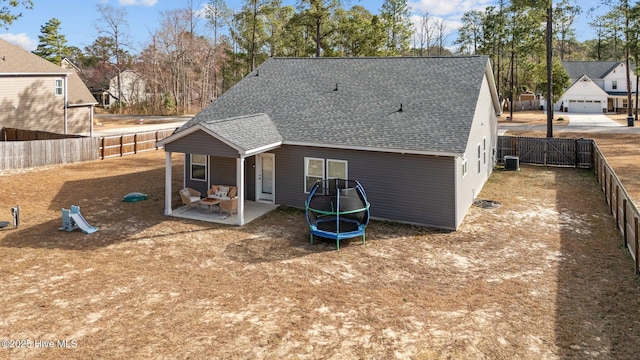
<point x="58" y="87"/>
<point x="318" y="169"/>
<point x="484" y="150"/>
<point x="313" y="172"/>
<point x="198" y="167"/>
<point x="479" y="158"/>
<point x="336" y="169"/>
<point x="614" y="84"/>
<point x="624" y="103"/>
<point x="464" y="167"/>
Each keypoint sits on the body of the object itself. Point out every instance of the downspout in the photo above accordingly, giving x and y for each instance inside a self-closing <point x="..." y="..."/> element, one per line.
<point x="66" y="101"/>
<point x="91" y="120"/>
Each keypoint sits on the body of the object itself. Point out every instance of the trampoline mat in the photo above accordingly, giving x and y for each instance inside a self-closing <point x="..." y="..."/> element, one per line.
<point x="330" y="226"/>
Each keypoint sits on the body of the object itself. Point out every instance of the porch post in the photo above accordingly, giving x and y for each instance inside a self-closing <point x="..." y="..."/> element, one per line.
<point x="167" y="183"/>
<point x="240" y="184"/>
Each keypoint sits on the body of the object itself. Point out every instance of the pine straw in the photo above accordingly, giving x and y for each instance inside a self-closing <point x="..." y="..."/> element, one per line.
<point x="543" y="276"/>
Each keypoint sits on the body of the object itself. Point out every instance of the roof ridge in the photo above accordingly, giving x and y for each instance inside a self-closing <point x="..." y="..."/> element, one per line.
<point x="213" y="121"/>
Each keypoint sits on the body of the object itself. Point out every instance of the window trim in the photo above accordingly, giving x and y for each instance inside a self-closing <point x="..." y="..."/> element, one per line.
<point x="484" y="151"/>
<point x="346" y="168"/>
<point x="325" y="170"/>
<point x="464" y="166"/>
<point x="58" y="89"/>
<point x="479" y="158"/>
<point x="306" y="172"/>
<point x="205" y="164"/>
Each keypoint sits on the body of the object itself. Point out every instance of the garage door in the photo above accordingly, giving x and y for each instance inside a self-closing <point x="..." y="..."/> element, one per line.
<point x="585" y="106"/>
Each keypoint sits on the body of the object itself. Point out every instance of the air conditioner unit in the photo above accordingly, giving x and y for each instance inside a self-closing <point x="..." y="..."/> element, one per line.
<point x="511" y="163"/>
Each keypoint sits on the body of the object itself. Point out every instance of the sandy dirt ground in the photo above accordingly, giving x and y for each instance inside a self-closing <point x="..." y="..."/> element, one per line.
<point x="543" y="276"/>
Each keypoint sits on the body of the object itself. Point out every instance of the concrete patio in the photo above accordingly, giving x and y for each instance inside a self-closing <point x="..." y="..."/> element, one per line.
<point x="252" y="211"/>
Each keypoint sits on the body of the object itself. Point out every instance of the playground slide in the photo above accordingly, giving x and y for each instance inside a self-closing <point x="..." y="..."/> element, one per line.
<point x="82" y="223"/>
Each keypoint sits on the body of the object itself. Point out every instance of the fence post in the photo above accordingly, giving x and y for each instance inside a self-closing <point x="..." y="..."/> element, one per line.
<point x="617" y="206"/>
<point x="121" y="145"/>
<point x="624" y="222"/>
<point x="611" y="193"/>
<point x="635" y="249"/>
<point x="135" y="143"/>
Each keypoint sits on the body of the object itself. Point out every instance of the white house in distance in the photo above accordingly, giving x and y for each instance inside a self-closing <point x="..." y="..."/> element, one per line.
<point x="596" y="87"/>
<point x="133" y="89"/>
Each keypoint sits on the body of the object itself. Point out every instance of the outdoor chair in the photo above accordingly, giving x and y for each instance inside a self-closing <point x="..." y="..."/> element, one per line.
<point x="190" y="197"/>
<point x="230" y="206"/>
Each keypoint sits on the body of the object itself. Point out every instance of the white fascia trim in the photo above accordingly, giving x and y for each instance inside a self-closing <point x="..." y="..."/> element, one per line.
<point x="34" y="74"/>
<point x="262" y="149"/>
<point x="376" y="149"/>
<point x="82" y="105"/>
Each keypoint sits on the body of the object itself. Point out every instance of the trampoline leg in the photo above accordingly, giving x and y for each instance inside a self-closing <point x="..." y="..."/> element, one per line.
<point x="364" y="242"/>
<point x="337" y="244"/>
<point x="311" y="237"/>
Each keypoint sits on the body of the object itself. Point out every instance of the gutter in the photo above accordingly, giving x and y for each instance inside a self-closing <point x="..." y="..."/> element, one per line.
<point x="32" y="74"/>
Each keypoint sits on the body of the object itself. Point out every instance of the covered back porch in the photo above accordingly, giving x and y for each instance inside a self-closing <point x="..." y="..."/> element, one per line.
<point x="213" y="150"/>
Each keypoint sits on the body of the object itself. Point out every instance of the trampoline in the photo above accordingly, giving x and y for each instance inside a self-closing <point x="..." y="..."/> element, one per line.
<point x="337" y="209"/>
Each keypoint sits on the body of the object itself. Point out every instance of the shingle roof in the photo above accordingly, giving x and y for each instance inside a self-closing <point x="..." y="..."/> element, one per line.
<point x="233" y="130"/>
<point x="595" y="70"/>
<point x="355" y="102"/>
<point x="16" y="60"/>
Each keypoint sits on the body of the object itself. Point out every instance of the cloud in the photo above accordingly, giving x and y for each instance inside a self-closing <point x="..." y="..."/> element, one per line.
<point x="147" y="3"/>
<point x="21" y="39"/>
<point x="448" y="8"/>
<point x="202" y="12"/>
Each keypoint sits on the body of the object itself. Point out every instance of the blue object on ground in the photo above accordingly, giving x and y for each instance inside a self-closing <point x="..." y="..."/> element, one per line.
<point x="73" y="219"/>
<point x="135" y="196"/>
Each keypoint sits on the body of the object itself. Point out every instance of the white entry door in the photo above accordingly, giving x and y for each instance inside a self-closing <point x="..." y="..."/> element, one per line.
<point x="265" y="177"/>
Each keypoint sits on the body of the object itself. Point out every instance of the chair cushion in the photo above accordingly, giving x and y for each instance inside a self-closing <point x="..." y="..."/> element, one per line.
<point x="194" y="198"/>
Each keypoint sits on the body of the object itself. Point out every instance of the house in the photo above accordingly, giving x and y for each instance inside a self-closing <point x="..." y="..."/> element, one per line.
<point x="418" y="133"/>
<point x="133" y="88"/>
<point x="36" y="94"/>
<point x="596" y="87"/>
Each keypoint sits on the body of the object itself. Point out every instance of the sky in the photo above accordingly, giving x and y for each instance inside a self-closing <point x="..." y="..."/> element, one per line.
<point x="79" y="17"/>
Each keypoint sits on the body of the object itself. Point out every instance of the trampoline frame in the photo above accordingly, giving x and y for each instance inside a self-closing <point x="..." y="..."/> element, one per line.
<point x="337" y="216"/>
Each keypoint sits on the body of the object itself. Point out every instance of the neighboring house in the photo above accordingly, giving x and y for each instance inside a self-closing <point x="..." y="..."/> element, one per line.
<point x="133" y="89"/>
<point x="418" y="133"/>
<point x="36" y="94"/>
<point x="596" y="87"/>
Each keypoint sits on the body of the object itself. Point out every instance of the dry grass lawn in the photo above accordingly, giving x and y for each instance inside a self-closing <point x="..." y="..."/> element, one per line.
<point x="543" y="276"/>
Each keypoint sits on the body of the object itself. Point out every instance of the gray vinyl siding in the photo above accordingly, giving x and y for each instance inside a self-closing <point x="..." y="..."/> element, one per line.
<point x="400" y="187"/>
<point x="194" y="184"/>
<point x="200" y="142"/>
<point x="250" y="178"/>
<point x="222" y="171"/>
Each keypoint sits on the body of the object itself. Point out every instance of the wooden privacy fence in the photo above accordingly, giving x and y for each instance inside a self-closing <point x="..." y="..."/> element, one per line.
<point x="28" y="154"/>
<point x="547" y="151"/>
<point x="13" y="134"/>
<point x="621" y="206"/>
<point x="127" y="144"/>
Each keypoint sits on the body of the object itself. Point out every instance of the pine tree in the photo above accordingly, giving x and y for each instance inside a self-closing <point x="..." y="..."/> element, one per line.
<point x="52" y="45"/>
<point x="395" y="16"/>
